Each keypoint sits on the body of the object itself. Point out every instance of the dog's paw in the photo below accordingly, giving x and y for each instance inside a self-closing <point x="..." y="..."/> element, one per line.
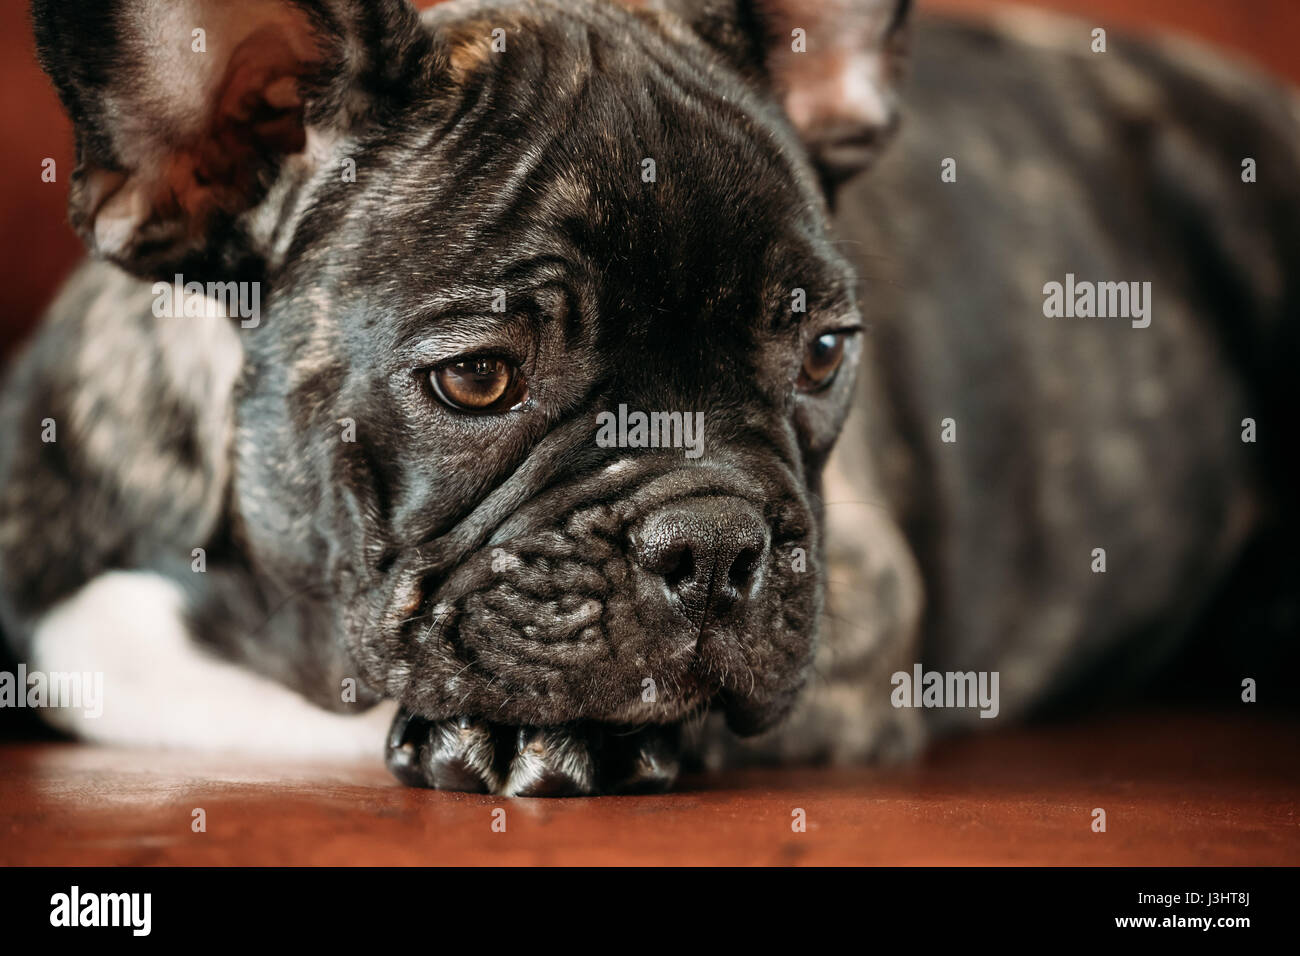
<point x="574" y="760"/>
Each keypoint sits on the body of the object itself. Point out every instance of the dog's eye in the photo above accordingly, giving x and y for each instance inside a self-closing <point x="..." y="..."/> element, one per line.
<point x="821" y="361"/>
<point x="479" y="384"/>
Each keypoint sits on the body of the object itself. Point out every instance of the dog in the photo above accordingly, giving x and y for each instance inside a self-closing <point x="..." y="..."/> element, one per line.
<point x="535" y="326"/>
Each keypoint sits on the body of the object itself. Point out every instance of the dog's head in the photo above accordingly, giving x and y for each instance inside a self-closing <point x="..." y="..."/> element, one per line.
<point x="552" y="340"/>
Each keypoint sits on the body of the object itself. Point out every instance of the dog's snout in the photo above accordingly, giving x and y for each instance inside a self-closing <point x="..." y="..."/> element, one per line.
<point x="709" y="552"/>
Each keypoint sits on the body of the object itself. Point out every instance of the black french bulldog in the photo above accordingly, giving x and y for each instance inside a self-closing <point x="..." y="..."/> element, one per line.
<point x="533" y="341"/>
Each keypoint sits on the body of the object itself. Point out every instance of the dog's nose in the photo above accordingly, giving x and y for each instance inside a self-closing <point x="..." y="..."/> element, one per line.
<point x="709" y="552"/>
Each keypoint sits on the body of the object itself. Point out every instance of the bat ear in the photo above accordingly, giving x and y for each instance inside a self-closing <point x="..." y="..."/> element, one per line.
<point x="187" y="115"/>
<point x="833" y="64"/>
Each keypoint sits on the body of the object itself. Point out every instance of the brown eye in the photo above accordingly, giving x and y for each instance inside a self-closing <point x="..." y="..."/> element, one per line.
<point x="479" y="384"/>
<point x="821" y="361"/>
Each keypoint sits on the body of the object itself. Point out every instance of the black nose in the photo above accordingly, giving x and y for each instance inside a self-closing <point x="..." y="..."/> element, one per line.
<point x="709" y="552"/>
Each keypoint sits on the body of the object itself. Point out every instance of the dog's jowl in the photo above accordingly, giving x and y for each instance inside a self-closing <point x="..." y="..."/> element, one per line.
<point x="473" y="377"/>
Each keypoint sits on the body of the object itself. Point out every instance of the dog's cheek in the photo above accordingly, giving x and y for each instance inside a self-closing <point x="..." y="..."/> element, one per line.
<point x="780" y="662"/>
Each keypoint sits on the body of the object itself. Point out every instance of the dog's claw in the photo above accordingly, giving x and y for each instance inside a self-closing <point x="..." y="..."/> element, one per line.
<point x="551" y="762"/>
<point x="402" y="753"/>
<point x="443" y="754"/>
<point x="643" y="762"/>
<point x="460" y="757"/>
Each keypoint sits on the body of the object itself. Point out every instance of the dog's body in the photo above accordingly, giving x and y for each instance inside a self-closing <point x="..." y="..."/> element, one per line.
<point x="1071" y="434"/>
<point x="992" y="449"/>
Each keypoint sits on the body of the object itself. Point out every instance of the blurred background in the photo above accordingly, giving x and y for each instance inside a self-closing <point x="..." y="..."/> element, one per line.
<point x="37" y="249"/>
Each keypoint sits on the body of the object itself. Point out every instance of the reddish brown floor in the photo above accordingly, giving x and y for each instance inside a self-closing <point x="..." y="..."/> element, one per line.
<point x="1175" y="791"/>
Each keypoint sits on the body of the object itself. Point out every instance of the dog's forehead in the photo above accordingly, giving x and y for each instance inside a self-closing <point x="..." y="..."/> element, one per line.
<point x="675" y="191"/>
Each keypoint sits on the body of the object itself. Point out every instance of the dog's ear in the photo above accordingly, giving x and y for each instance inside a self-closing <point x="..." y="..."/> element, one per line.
<point x="189" y="113"/>
<point x="833" y="64"/>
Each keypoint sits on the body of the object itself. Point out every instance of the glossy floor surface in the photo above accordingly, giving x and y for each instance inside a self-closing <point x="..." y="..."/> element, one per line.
<point x="1175" y="790"/>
